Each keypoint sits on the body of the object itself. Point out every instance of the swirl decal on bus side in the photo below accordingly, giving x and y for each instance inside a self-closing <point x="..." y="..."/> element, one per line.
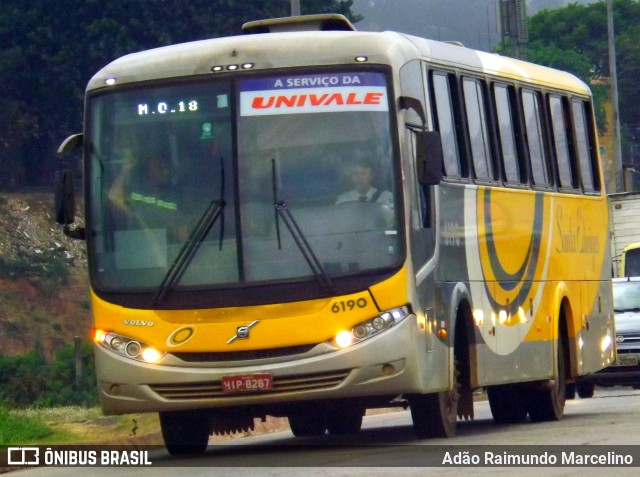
<point x="508" y="260"/>
<point x="519" y="283"/>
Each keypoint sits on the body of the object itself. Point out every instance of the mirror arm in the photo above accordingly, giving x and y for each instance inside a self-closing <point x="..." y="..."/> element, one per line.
<point x="71" y="143"/>
<point x="407" y="102"/>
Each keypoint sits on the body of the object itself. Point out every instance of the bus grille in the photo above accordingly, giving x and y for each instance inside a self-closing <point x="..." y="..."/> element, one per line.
<point x="242" y="355"/>
<point x="284" y="384"/>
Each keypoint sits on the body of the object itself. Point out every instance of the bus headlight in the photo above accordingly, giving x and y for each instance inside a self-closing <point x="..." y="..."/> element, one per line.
<point x="151" y="355"/>
<point x="374" y="326"/>
<point x="344" y="339"/>
<point x="127" y="347"/>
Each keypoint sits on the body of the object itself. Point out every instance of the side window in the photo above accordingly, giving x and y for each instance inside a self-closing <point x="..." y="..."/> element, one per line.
<point x="584" y="130"/>
<point x="422" y="213"/>
<point x="558" y="109"/>
<point x="506" y="134"/>
<point x="478" y="129"/>
<point x="445" y="123"/>
<point x="532" y="110"/>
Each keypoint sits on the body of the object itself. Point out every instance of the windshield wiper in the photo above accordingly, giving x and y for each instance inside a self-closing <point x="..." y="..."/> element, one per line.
<point x="214" y="211"/>
<point x="282" y="212"/>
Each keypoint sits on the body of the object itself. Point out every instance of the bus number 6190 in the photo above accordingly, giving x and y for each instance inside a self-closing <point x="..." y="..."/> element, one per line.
<point x="349" y="305"/>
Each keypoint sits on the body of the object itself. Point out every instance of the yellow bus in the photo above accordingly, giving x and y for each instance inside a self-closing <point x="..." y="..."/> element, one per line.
<point x="310" y="221"/>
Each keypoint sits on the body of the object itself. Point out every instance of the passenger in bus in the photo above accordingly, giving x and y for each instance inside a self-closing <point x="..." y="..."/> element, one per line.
<point x="149" y="200"/>
<point x="362" y="177"/>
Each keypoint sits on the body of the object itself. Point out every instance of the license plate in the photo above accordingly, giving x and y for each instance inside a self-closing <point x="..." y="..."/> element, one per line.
<point x="626" y="360"/>
<point x="247" y="383"/>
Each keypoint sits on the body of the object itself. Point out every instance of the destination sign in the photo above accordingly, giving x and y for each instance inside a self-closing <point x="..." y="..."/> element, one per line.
<point x="313" y="94"/>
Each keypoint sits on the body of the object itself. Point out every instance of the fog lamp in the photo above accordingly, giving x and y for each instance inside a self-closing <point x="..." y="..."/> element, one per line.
<point x="133" y="349"/>
<point x="360" y="332"/>
<point x="116" y="343"/>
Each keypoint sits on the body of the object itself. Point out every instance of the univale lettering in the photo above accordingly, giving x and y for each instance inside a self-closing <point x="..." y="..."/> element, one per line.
<point x="299" y="100"/>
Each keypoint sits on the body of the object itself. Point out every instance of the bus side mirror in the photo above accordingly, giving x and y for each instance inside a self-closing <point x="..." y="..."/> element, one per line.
<point x="429" y="158"/>
<point x="65" y="197"/>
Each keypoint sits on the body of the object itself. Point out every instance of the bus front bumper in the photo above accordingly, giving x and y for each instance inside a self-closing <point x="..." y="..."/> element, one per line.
<point x="392" y="363"/>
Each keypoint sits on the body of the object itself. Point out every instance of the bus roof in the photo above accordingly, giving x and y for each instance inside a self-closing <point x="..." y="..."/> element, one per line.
<point x="319" y="48"/>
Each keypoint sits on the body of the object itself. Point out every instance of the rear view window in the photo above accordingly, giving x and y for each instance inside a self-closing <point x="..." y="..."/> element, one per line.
<point x="560" y="126"/>
<point x="583" y="126"/>
<point x="535" y="138"/>
<point x="446" y="124"/>
<point x="478" y="133"/>
<point x="506" y="135"/>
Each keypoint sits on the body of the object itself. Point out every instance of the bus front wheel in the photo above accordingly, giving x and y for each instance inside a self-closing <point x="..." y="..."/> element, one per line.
<point x="185" y="432"/>
<point x="435" y="414"/>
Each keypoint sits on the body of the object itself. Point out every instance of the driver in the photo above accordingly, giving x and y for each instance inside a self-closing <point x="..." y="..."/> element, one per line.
<point x="362" y="178"/>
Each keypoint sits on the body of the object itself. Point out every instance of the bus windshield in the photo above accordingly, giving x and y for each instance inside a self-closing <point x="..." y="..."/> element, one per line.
<point x="263" y="179"/>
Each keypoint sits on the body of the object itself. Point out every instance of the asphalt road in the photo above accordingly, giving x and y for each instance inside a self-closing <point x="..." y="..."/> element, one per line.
<point x="387" y="446"/>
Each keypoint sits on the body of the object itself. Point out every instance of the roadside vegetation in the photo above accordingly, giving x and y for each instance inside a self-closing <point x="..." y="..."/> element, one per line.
<point x="574" y="39"/>
<point x="30" y="380"/>
<point x="75" y="424"/>
<point x="41" y="402"/>
<point x="20" y="429"/>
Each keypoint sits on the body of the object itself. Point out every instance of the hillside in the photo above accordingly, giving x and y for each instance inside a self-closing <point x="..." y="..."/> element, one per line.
<point x="44" y="292"/>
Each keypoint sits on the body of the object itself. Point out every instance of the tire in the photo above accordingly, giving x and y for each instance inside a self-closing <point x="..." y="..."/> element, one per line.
<point x="434" y="415"/>
<point x="307" y="424"/>
<point x="546" y="403"/>
<point x="344" y="420"/>
<point x="586" y="390"/>
<point x="570" y="391"/>
<point x="507" y="404"/>
<point x="185" y="432"/>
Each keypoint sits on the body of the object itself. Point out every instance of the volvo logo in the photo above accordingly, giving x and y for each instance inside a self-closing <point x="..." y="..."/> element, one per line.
<point x="138" y="323"/>
<point x="619" y="339"/>
<point x="242" y="332"/>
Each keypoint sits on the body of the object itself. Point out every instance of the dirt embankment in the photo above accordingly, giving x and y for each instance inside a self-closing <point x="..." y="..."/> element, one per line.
<point x="44" y="292"/>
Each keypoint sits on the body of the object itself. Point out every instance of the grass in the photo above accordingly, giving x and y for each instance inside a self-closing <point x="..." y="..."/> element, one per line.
<point x="74" y="424"/>
<point x="20" y="429"/>
<point x="78" y="425"/>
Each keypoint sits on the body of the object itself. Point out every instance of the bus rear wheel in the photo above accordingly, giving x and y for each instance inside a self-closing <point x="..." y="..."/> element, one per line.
<point x="586" y="390"/>
<point x="507" y="404"/>
<point x="435" y="414"/>
<point x="342" y="420"/>
<point x="185" y="432"/>
<point x="546" y="402"/>
<point x="307" y="424"/>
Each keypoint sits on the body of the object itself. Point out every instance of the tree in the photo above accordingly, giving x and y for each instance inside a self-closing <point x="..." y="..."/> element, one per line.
<point x="50" y="49"/>
<point x="628" y="57"/>
<point x="574" y="62"/>
<point x="574" y="39"/>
